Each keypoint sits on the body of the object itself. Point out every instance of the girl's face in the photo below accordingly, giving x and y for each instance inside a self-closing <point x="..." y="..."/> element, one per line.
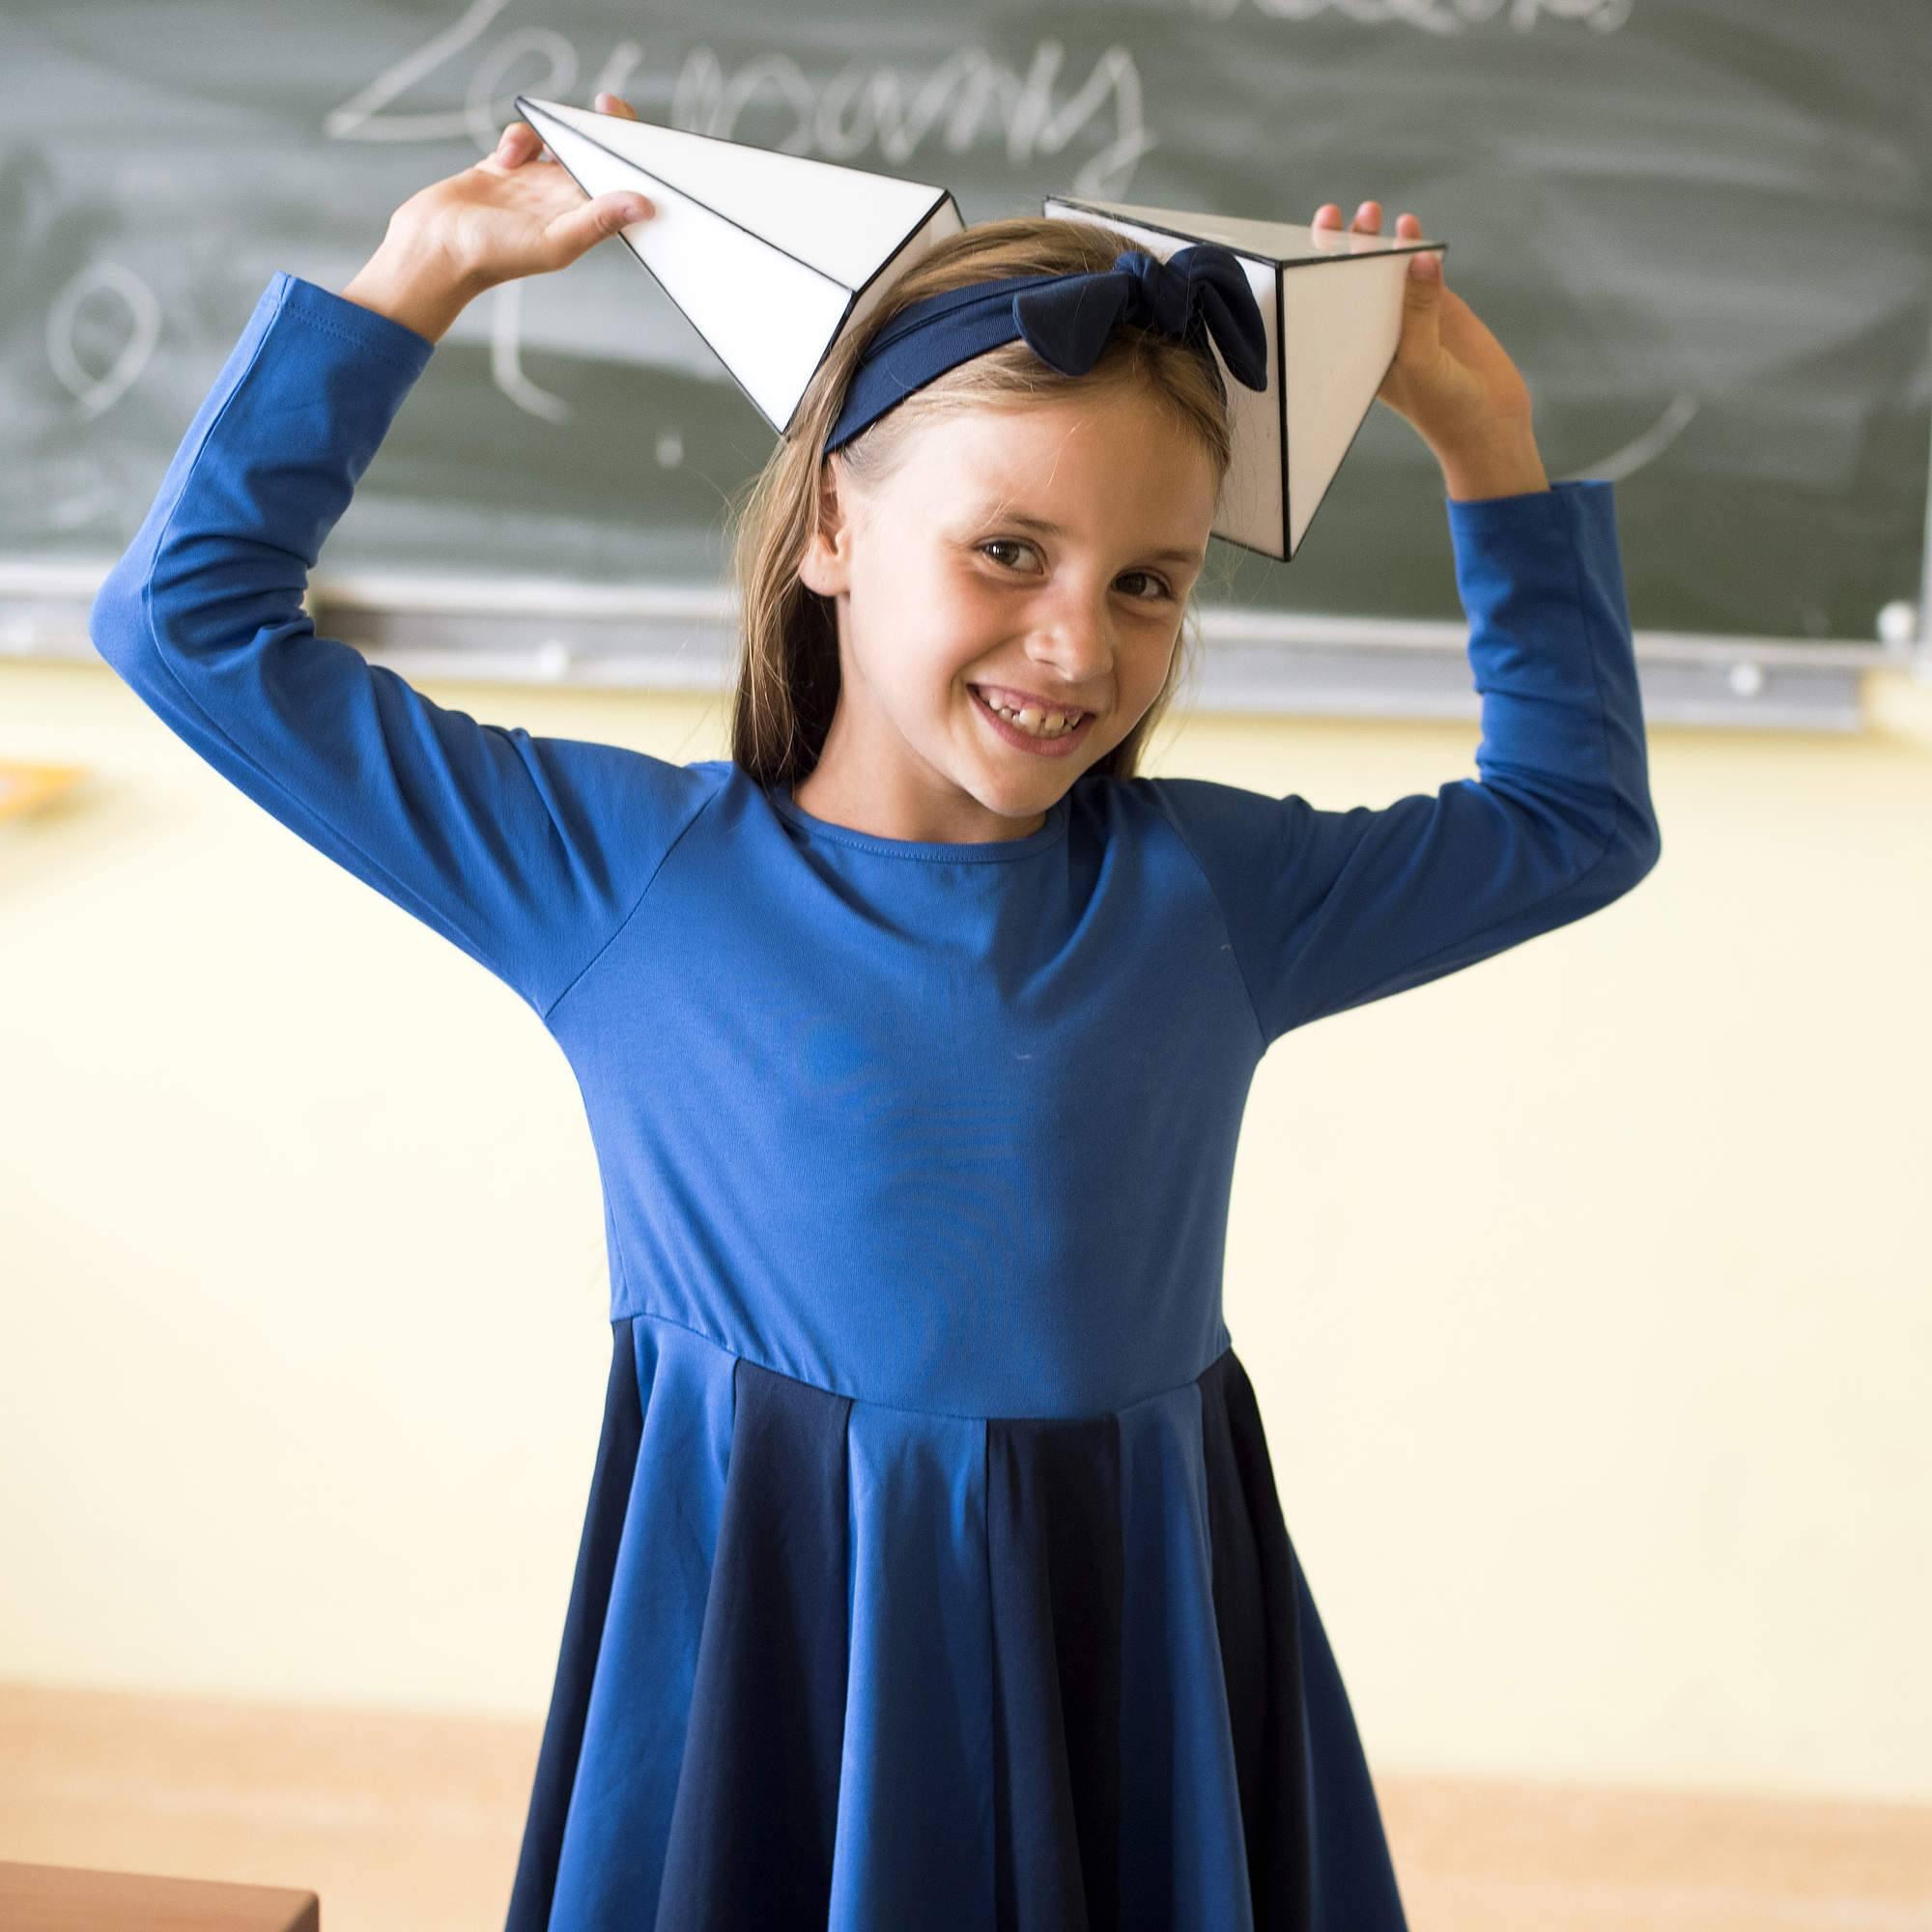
<point x="1041" y="554"/>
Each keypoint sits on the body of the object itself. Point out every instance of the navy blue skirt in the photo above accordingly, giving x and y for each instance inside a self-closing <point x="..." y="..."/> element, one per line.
<point x="834" y="1664"/>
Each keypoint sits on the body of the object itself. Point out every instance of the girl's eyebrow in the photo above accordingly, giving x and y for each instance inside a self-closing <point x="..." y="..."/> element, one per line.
<point x="1021" y="520"/>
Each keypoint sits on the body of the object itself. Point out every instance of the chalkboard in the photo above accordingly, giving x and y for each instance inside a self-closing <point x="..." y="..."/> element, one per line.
<point x="1702" y="228"/>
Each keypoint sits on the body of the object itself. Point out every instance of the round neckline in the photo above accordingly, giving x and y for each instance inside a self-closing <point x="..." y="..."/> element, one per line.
<point x="969" y="852"/>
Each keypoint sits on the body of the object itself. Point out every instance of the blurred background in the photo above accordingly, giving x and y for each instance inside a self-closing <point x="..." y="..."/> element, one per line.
<point x="1585" y="1294"/>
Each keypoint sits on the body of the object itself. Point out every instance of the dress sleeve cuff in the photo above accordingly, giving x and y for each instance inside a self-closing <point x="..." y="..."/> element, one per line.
<point x="1530" y="512"/>
<point x="380" y="335"/>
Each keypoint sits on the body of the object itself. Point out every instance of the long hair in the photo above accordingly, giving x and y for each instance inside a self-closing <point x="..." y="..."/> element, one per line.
<point x="787" y="674"/>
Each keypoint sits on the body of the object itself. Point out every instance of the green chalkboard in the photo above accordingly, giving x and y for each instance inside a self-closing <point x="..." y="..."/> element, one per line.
<point x="1702" y="228"/>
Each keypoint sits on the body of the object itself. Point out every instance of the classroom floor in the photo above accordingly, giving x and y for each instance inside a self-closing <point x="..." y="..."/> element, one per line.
<point x="412" y="1824"/>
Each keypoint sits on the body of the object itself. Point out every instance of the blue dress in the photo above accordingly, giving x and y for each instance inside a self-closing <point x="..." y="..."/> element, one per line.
<point x="933" y="1574"/>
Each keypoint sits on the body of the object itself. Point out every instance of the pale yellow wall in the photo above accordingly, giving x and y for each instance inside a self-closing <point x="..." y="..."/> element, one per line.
<point x="1586" y="1292"/>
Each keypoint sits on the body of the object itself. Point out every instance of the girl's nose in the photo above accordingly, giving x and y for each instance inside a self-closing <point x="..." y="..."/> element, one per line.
<point x="1080" y="648"/>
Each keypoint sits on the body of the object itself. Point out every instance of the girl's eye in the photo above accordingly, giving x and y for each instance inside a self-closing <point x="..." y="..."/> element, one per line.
<point x="1165" y="589"/>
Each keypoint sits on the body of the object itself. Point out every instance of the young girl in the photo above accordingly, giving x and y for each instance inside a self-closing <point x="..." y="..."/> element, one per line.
<point x="933" y="1578"/>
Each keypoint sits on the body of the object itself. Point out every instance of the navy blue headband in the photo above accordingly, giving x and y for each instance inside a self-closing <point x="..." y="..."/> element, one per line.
<point x="1067" y="320"/>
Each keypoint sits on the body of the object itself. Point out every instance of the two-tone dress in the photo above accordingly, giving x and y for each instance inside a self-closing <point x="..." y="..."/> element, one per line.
<point x="933" y="1576"/>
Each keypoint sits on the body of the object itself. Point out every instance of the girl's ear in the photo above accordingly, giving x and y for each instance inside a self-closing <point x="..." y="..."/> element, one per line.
<point x="826" y="566"/>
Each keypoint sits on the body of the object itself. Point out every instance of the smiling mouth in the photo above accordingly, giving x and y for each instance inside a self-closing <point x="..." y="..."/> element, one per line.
<point x="1066" y="743"/>
<point x="1009" y="714"/>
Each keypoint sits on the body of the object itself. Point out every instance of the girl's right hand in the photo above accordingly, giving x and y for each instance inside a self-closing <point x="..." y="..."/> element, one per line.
<point x="512" y="215"/>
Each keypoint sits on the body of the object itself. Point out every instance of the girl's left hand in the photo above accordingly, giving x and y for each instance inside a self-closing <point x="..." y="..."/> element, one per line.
<point x="1451" y="379"/>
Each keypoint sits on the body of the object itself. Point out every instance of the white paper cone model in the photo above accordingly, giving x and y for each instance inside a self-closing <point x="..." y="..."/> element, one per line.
<point x="774" y="257"/>
<point x="771" y="256"/>
<point x="1332" y="302"/>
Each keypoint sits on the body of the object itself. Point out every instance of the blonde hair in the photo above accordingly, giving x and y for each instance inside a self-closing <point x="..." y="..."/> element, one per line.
<point x="787" y="674"/>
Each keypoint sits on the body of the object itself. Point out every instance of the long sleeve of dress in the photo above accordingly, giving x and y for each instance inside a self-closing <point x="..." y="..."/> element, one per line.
<point x="1327" y="910"/>
<point x="529" y="853"/>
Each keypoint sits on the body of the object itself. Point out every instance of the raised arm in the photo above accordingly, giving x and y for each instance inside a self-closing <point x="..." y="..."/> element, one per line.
<point x="1327" y="910"/>
<point x="527" y="853"/>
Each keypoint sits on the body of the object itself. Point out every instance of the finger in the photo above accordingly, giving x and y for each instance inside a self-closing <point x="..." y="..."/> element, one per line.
<point x="1368" y="217"/>
<point x="608" y="214"/>
<point x="613" y="103"/>
<point x="1327" y="215"/>
<point x="517" y="143"/>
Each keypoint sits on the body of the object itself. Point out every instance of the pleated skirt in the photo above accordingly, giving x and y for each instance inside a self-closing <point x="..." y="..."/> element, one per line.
<point x="833" y="1665"/>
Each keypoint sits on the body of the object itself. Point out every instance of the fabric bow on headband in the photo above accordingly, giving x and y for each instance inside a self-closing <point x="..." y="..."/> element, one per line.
<point x="776" y="258"/>
<point x="1067" y="320"/>
<point x="1068" y="326"/>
